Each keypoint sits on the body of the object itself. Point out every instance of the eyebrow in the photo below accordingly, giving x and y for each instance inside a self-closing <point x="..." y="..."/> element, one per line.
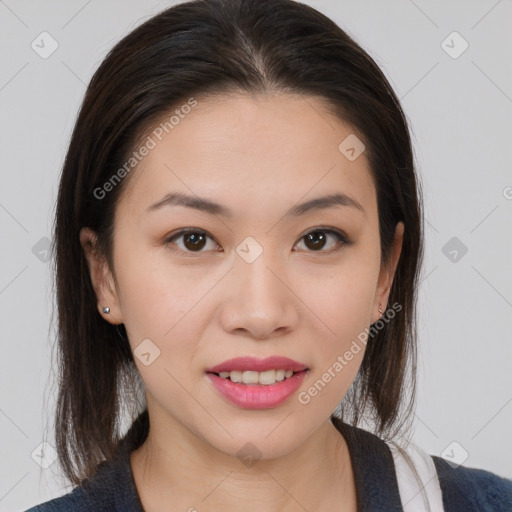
<point x="213" y="208"/>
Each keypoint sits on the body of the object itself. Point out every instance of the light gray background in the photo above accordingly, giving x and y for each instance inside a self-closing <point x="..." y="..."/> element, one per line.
<point x="460" y="111"/>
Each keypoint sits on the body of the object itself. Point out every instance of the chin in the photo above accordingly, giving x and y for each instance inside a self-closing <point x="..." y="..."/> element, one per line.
<point x="257" y="438"/>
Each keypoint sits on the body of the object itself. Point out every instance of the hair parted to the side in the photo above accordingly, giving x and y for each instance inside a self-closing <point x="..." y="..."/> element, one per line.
<point x="198" y="49"/>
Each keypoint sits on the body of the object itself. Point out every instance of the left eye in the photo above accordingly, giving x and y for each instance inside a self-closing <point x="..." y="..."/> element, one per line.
<point x="194" y="240"/>
<point x="316" y="239"/>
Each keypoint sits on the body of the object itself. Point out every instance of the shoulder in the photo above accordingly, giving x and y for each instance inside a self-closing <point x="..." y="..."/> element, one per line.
<point x="107" y="491"/>
<point x="466" y="488"/>
<point x="463" y="489"/>
<point x="98" y="495"/>
<point x="111" y="489"/>
<point x="77" y="501"/>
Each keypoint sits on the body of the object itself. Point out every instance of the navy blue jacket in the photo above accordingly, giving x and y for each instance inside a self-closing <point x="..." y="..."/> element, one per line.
<point x="464" y="489"/>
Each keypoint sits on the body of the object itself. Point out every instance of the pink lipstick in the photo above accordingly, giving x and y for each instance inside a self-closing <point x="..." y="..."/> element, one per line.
<point x="252" y="383"/>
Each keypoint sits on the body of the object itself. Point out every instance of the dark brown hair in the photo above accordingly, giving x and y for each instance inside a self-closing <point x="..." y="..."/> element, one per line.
<point x="206" y="48"/>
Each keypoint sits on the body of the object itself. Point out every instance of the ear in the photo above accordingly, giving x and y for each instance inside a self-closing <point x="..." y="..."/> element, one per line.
<point x="101" y="278"/>
<point x="387" y="274"/>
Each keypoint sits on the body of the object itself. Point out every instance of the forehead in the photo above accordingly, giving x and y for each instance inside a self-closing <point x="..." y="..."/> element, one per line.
<point x="265" y="150"/>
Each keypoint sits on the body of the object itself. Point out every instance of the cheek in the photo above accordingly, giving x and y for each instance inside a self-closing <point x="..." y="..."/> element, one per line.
<point x="338" y="354"/>
<point x="342" y="300"/>
<point x="342" y="309"/>
<point x="155" y="295"/>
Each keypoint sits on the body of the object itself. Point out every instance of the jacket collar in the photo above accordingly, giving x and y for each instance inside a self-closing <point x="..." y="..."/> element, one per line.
<point x="374" y="470"/>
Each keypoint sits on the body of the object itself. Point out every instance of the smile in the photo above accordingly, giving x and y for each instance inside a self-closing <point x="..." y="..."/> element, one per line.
<point x="254" y="395"/>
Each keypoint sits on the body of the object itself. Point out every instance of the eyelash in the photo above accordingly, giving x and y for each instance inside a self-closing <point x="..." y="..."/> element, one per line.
<point x="342" y="239"/>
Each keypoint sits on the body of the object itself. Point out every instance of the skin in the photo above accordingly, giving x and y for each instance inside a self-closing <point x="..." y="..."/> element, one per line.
<point x="259" y="156"/>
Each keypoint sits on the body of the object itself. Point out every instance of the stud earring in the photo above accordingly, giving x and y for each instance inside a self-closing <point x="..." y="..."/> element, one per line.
<point x="106" y="310"/>
<point x="380" y="310"/>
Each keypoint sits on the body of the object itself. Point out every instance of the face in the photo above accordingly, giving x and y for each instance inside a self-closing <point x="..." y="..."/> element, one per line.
<point x="255" y="277"/>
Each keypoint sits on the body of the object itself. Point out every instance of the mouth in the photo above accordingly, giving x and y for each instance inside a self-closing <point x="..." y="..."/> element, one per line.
<point x="252" y="383"/>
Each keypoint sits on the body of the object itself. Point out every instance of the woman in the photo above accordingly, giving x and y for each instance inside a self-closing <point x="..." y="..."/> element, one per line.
<point x="239" y="233"/>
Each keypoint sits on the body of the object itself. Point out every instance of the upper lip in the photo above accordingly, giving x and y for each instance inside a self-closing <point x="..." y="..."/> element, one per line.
<point x="249" y="363"/>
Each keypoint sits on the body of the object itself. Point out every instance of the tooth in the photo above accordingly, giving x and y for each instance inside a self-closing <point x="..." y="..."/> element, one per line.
<point x="235" y="376"/>
<point x="250" y="377"/>
<point x="268" y="377"/>
<point x="265" y="378"/>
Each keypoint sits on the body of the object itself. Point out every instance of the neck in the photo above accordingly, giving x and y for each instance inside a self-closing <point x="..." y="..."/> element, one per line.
<point x="181" y="469"/>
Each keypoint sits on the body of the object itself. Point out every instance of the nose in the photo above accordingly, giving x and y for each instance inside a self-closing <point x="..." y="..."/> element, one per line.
<point x="260" y="302"/>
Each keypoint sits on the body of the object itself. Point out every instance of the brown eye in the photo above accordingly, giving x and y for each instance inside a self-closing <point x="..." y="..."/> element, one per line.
<point x="316" y="240"/>
<point x="193" y="240"/>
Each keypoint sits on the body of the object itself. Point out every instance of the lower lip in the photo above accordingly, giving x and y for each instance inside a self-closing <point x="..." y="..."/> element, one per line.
<point x="257" y="396"/>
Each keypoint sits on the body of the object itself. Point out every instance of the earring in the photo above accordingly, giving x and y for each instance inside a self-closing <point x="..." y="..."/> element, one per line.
<point x="106" y="310"/>
<point x="380" y="310"/>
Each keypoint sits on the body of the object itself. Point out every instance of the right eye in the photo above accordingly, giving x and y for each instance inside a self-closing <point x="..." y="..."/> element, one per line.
<point x="194" y="240"/>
